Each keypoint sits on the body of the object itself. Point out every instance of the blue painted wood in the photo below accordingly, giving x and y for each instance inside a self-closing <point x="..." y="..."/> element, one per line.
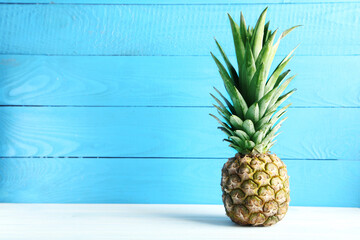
<point x="312" y="183"/>
<point x="101" y="2"/>
<point x="184" y="30"/>
<point x="311" y="133"/>
<point x="329" y="29"/>
<point x="159" y="81"/>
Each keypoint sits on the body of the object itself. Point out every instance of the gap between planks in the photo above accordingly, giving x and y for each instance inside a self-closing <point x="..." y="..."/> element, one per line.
<point x="161" y="55"/>
<point x="140" y="106"/>
<point x="176" y="3"/>
<point x="144" y="157"/>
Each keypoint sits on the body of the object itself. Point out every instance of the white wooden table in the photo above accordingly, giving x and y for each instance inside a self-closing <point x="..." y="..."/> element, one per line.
<point x="124" y="221"/>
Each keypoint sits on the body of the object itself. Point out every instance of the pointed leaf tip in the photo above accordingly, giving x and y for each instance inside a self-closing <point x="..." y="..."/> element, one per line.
<point x="287" y="31"/>
<point x="265" y="10"/>
<point x="258" y="34"/>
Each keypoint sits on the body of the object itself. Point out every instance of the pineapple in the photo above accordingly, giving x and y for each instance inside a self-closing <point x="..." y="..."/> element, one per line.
<point x="255" y="183"/>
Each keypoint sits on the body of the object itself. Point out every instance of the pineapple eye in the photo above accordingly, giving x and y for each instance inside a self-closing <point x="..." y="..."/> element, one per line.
<point x="283" y="173"/>
<point x="249" y="187"/>
<point x="254" y="203"/>
<point x="271" y="169"/>
<point x="257" y="218"/>
<point x="234" y="182"/>
<point x="271" y="208"/>
<point x="281" y="196"/>
<point x="245" y="169"/>
<point x="237" y="196"/>
<point x="262" y="178"/>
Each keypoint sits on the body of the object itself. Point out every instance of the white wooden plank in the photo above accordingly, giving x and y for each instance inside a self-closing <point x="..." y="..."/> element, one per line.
<point x="81" y="221"/>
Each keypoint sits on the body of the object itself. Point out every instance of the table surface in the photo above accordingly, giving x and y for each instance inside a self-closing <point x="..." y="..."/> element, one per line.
<point x="142" y="221"/>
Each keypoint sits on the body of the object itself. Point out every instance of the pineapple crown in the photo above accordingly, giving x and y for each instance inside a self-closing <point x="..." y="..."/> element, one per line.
<point x="251" y="117"/>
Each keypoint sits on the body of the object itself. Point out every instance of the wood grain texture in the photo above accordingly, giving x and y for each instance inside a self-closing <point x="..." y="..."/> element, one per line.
<point x="159" y="81"/>
<point x="160" y="57"/>
<point x="150" y="2"/>
<point x="189" y="181"/>
<point x="330" y="133"/>
<point x="167" y="222"/>
<point x="50" y="29"/>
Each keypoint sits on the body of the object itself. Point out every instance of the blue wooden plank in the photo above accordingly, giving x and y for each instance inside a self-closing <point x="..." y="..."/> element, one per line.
<point x="309" y="133"/>
<point x="312" y="183"/>
<point x="322" y="81"/>
<point x="328" y="29"/>
<point x="102" y="2"/>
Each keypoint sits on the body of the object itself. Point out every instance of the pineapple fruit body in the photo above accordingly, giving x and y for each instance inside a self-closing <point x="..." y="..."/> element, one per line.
<point x="255" y="189"/>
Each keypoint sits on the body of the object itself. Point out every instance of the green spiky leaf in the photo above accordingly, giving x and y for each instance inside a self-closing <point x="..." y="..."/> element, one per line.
<point x="248" y="127"/>
<point x="258" y="35"/>
<point x="228" y="104"/>
<point x="252" y="116"/>
<point x="236" y="122"/>
<point x="238" y="43"/>
<point x="253" y="113"/>
<point x="241" y="134"/>
<point x="230" y="67"/>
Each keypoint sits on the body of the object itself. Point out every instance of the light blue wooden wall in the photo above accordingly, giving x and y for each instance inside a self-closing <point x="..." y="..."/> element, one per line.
<point x="107" y="101"/>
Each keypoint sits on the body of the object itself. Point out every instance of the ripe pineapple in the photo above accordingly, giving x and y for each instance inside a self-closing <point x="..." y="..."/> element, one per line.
<point x="254" y="183"/>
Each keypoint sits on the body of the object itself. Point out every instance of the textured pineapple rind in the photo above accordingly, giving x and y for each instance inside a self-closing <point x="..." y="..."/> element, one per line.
<point x="255" y="189"/>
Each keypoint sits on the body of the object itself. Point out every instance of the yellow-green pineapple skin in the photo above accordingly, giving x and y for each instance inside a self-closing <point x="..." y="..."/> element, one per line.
<point x="255" y="189"/>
